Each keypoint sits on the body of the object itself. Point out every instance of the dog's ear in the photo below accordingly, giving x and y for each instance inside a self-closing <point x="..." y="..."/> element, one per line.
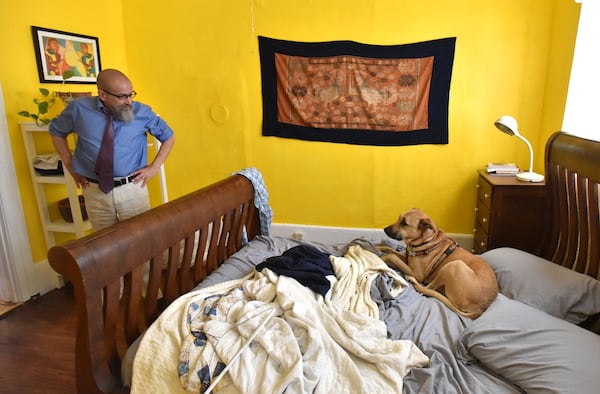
<point x="425" y="224"/>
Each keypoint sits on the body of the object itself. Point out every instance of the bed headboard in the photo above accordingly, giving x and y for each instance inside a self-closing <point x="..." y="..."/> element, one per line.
<point x="573" y="179"/>
<point x="183" y="241"/>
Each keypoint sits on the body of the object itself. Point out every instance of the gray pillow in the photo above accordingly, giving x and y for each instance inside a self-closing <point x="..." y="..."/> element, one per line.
<point x="544" y="285"/>
<point x="536" y="351"/>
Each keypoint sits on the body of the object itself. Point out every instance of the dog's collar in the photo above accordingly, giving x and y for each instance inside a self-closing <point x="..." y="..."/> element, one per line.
<point x="423" y="252"/>
<point x="451" y="248"/>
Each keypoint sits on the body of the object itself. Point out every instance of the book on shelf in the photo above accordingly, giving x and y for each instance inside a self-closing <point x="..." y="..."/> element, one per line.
<point x="502" y="168"/>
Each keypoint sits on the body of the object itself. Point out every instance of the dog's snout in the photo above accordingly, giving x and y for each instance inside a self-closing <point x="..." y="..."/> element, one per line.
<point x="389" y="231"/>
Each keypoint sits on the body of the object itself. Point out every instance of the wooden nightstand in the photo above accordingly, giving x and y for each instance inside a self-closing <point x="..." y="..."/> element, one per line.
<point x="508" y="212"/>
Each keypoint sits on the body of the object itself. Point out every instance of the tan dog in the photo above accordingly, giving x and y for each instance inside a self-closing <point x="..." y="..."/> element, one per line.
<point x="439" y="268"/>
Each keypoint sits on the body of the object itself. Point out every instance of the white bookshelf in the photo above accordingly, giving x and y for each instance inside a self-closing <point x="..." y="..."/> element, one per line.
<point x="50" y="224"/>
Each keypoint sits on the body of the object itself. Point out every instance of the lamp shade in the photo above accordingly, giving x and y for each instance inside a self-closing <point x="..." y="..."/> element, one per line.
<point x="508" y="125"/>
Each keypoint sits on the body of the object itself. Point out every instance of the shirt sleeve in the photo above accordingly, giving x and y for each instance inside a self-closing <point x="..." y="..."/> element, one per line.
<point x="63" y="124"/>
<point x="155" y="125"/>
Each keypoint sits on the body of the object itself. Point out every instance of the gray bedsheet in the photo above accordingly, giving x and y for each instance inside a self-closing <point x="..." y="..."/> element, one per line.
<point x="437" y="332"/>
<point x="425" y="321"/>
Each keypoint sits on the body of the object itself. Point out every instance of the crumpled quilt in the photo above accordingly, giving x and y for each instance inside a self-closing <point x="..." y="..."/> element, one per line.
<point x="311" y="343"/>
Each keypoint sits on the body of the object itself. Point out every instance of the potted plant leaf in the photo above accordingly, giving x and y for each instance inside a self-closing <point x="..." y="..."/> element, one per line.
<point x="44" y="103"/>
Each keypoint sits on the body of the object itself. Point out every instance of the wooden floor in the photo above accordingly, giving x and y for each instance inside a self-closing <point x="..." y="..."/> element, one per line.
<point x="37" y="345"/>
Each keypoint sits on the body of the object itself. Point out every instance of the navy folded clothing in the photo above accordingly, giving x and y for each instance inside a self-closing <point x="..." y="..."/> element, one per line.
<point x="306" y="264"/>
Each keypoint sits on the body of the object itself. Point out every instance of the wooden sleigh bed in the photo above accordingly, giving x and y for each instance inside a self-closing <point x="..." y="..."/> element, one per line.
<point x="125" y="276"/>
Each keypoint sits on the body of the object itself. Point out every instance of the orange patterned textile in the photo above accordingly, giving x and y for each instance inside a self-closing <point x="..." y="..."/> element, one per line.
<point x="351" y="92"/>
<point x="354" y="93"/>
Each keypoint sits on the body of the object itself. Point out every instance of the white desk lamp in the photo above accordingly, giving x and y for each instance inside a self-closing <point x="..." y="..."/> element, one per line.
<point x="507" y="124"/>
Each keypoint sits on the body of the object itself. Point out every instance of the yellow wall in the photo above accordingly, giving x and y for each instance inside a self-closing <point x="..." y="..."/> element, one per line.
<point x="186" y="57"/>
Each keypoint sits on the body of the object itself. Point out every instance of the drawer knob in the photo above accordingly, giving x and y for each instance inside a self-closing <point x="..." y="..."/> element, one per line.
<point x="484" y="220"/>
<point x="478" y="186"/>
<point x="485" y="195"/>
<point x="474" y="230"/>
<point x="476" y="209"/>
<point x="482" y="244"/>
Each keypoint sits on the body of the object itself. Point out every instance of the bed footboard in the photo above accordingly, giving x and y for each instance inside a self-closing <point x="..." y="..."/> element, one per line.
<point x="125" y="275"/>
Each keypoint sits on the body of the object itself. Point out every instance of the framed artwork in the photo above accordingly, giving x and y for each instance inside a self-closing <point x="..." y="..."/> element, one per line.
<point x="57" y="52"/>
<point x="354" y="93"/>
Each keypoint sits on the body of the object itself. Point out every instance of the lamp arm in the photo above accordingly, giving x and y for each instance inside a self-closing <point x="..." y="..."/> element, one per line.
<point x="530" y="151"/>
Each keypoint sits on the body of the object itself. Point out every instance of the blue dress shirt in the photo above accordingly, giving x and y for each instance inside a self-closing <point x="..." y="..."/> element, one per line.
<point x="85" y="118"/>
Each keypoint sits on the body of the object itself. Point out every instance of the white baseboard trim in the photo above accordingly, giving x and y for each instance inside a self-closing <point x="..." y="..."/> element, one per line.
<point x="44" y="278"/>
<point x="343" y="235"/>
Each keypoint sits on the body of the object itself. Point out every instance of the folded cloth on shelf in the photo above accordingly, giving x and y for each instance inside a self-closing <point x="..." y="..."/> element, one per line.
<point x="48" y="164"/>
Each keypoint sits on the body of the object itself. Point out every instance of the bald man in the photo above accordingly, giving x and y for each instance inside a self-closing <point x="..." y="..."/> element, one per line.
<point x="88" y="118"/>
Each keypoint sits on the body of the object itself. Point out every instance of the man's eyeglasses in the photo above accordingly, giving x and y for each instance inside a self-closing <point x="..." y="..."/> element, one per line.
<point x="122" y="96"/>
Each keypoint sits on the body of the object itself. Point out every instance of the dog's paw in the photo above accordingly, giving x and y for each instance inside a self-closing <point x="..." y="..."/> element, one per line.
<point x="385" y="249"/>
<point x="412" y="280"/>
<point x="393" y="244"/>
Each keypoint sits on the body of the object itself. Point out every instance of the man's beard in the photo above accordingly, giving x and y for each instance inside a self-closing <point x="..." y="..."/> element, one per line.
<point x="124" y="113"/>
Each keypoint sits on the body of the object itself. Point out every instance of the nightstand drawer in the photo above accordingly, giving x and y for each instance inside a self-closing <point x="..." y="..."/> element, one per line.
<point x="480" y="238"/>
<point x="484" y="192"/>
<point x="482" y="215"/>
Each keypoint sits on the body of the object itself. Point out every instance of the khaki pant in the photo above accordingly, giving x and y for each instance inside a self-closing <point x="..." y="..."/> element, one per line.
<point x="121" y="203"/>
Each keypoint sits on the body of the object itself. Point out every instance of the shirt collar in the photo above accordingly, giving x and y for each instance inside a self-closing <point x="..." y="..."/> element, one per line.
<point x="100" y="104"/>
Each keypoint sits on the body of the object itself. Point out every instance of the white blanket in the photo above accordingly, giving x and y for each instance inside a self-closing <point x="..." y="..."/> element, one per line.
<point x="311" y="344"/>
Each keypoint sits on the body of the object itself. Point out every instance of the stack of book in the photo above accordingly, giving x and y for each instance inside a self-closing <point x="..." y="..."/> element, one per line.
<point x="502" y="169"/>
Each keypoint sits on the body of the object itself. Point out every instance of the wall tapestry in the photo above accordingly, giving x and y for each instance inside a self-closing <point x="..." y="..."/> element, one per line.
<point x="348" y="92"/>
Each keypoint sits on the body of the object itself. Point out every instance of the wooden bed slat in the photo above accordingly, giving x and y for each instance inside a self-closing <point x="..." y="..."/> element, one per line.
<point x="583" y="241"/>
<point x="171" y="290"/>
<point x="151" y="309"/>
<point x="199" y="267"/>
<point x="572" y="222"/>
<point x="186" y="279"/>
<point x="594" y="212"/>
